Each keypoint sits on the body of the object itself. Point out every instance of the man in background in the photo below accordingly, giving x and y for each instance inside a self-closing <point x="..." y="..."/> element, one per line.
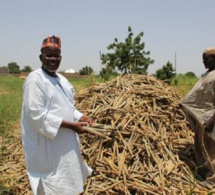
<point x="199" y="107"/>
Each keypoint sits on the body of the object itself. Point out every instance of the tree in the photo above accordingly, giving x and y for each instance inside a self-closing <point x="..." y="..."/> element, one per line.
<point x="27" y="69"/>
<point x="128" y="56"/>
<point x="14" y="68"/>
<point x="86" y="71"/>
<point x="167" y="72"/>
<point x="190" y="74"/>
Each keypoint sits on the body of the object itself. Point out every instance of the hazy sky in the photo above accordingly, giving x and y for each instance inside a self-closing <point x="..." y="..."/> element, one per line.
<point x="175" y="31"/>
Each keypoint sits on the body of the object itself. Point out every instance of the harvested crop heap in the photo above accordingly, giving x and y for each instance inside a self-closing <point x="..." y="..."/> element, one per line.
<point x="147" y="136"/>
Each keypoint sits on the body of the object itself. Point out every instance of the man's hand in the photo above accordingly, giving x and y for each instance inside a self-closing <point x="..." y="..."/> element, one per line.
<point x="78" y="127"/>
<point x="87" y="119"/>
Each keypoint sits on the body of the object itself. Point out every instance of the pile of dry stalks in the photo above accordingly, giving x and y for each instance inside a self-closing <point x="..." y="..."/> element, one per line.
<point x="141" y="144"/>
<point x="147" y="143"/>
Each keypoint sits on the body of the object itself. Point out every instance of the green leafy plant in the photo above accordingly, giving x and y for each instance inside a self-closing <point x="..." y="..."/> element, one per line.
<point x="166" y="73"/>
<point x="128" y="56"/>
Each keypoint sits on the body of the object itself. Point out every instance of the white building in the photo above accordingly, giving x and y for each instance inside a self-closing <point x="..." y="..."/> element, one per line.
<point x="69" y="71"/>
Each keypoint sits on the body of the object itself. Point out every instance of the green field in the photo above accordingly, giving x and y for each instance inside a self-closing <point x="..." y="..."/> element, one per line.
<point x="11" y="100"/>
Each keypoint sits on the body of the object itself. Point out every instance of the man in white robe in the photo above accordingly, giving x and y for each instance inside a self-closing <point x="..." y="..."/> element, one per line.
<point x="199" y="107"/>
<point x="50" y="128"/>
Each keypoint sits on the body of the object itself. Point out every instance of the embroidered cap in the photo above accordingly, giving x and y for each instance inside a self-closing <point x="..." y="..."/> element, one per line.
<point x="51" y="41"/>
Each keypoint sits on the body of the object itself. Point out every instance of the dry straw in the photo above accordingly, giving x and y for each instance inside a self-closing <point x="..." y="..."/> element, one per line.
<point x="145" y="146"/>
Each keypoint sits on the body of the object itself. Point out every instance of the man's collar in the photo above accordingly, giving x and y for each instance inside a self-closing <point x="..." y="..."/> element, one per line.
<point x="51" y="74"/>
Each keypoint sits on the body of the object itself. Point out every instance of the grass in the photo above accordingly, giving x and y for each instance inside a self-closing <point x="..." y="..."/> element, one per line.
<point x="183" y="84"/>
<point x="10" y="107"/>
<point x="83" y="83"/>
<point x="11" y="101"/>
<point x="10" y="111"/>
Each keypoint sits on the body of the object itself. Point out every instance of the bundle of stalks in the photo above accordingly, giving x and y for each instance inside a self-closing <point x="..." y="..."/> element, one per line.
<point x="142" y="143"/>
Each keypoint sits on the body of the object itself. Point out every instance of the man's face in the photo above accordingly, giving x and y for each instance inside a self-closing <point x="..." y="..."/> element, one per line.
<point x="51" y="59"/>
<point x="208" y="60"/>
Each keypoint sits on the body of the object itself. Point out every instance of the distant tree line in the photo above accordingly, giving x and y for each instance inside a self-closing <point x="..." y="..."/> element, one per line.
<point x="87" y="70"/>
<point x="13" y="68"/>
<point x="126" y="57"/>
